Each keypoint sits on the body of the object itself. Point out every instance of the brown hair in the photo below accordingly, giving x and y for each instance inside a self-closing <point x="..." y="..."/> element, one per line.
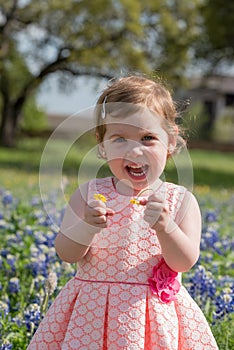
<point x="137" y="91"/>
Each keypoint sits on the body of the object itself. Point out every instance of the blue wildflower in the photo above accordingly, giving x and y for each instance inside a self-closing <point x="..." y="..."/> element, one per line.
<point x="7" y="198"/>
<point x="37" y="265"/>
<point x="209" y="237"/>
<point x="3" y="223"/>
<point x="28" y="230"/>
<point x="224" y="303"/>
<point x="202" y="284"/>
<point x="14" y="285"/>
<point x="32" y="316"/>
<point x="4" y="252"/>
<point x="35" y="201"/>
<point x="6" y="345"/>
<point x="210" y="216"/>
<point x="11" y="260"/>
<point x="4" y="308"/>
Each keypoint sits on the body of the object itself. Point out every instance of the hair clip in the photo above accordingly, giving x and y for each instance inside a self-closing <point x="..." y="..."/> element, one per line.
<point x="103" y="112"/>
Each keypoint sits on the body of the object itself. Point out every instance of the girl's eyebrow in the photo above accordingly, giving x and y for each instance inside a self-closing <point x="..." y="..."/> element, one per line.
<point x="111" y="136"/>
<point x="148" y="132"/>
<point x="142" y="132"/>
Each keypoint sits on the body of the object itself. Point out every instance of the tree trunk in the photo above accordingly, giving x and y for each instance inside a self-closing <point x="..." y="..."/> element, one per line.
<point x="9" y="123"/>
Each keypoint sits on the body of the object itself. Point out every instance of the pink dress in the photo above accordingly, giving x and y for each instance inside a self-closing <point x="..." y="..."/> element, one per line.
<point x="109" y="305"/>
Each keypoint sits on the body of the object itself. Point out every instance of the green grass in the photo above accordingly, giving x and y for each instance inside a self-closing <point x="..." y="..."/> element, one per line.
<point x="20" y="166"/>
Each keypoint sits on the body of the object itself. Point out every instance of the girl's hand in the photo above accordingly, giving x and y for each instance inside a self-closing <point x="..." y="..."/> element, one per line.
<point x="96" y="213"/>
<point x="157" y="213"/>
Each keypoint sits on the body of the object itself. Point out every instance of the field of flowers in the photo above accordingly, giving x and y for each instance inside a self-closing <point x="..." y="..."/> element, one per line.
<point x="31" y="274"/>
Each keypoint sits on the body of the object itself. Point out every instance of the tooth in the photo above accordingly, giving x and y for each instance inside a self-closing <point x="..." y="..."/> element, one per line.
<point x="135" y="166"/>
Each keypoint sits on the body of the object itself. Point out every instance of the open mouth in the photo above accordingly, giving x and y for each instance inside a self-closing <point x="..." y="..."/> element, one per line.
<point x="136" y="170"/>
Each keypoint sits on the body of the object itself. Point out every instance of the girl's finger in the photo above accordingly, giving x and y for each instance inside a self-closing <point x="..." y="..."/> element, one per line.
<point x="157" y="197"/>
<point x="93" y="204"/>
<point x="109" y="211"/>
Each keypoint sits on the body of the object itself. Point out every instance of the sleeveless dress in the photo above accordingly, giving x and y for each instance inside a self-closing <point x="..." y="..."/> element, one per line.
<point x="109" y="305"/>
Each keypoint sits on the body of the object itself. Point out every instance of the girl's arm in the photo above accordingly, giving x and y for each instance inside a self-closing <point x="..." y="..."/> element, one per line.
<point x="81" y="222"/>
<point x="179" y="239"/>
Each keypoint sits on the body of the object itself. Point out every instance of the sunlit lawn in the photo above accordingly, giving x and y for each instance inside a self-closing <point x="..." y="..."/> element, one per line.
<point x="20" y="167"/>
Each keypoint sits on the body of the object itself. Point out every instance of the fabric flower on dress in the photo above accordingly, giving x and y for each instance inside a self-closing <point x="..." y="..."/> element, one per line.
<point x="164" y="283"/>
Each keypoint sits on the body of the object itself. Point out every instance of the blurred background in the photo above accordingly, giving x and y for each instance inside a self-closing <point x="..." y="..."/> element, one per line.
<point x="56" y="57"/>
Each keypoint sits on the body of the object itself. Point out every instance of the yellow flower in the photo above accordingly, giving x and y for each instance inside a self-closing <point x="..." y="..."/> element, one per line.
<point x="135" y="201"/>
<point x="99" y="197"/>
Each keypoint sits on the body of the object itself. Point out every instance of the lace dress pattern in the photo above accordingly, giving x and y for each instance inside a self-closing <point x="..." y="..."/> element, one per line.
<point x="109" y="305"/>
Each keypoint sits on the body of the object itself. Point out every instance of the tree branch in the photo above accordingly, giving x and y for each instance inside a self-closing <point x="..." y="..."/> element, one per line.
<point x="9" y="16"/>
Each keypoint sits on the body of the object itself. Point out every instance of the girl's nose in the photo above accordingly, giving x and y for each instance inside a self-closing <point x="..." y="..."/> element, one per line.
<point x="135" y="150"/>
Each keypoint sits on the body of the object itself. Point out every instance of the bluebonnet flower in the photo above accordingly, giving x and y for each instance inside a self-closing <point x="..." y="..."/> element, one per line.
<point x="209" y="237"/>
<point x="4" y="307"/>
<point x="35" y="201"/>
<point x="11" y="260"/>
<point x="218" y="247"/>
<point x="210" y="216"/>
<point x="39" y="237"/>
<point x="34" y="251"/>
<point x="28" y="230"/>
<point x="3" y="223"/>
<point x="38" y="282"/>
<point x="202" y="284"/>
<point x="224" y="303"/>
<point x="228" y="244"/>
<point x="37" y="265"/>
<point x="38" y="214"/>
<point x="14" y="285"/>
<point x="6" y="345"/>
<point x="17" y="320"/>
<point x="50" y="236"/>
<point x="32" y="317"/>
<point x="14" y="238"/>
<point x="51" y="254"/>
<point x="4" y="252"/>
<point x="7" y="198"/>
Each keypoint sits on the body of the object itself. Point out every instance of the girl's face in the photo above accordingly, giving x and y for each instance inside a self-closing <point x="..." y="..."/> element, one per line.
<point x="136" y="149"/>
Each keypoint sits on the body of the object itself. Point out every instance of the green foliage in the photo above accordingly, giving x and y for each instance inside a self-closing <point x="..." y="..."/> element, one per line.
<point x="217" y="40"/>
<point x="101" y="38"/>
<point x="33" y="117"/>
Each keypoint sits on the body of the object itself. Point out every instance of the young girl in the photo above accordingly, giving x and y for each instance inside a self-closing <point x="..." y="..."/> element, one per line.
<point x="132" y="235"/>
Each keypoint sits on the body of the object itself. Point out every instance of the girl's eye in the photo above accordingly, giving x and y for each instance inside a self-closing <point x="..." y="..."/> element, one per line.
<point x="119" y="139"/>
<point x="148" y="138"/>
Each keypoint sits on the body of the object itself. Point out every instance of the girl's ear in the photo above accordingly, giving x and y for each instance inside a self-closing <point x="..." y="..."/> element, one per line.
<point x="101" y="150"/>
<point x="173" y="137"/>
<point x="172" y="141"/>
<point x="97" y="137"/>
